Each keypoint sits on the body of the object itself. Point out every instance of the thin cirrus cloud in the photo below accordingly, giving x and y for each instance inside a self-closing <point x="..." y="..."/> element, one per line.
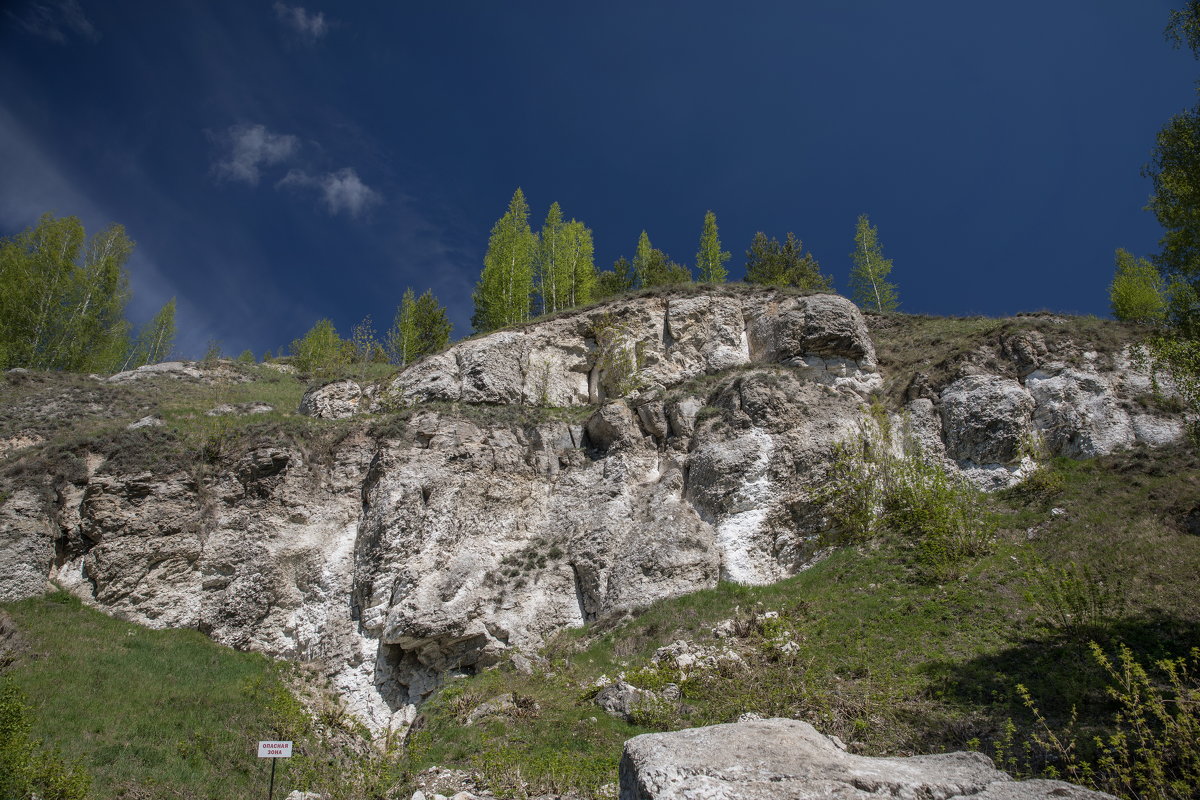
<point x="249" y="148"/>
<point x="309" y="27"/>
<point x="56" y="20"/>
<point x="341" y="191"/>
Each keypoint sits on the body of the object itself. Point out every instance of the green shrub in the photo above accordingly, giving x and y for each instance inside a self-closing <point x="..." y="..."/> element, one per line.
<point x="27" y="768"/>
<point x="871" y="490"/>
<point x="1074" y="599"/>
<point x="1137" y="293"/>
<point x="321" y="350"/>
<point x="619" y="357"/>
<point x="1152" y="748"/>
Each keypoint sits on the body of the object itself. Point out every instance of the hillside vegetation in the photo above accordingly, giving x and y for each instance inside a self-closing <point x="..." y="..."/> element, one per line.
<point x="863" y="645"/>
<point x="868" y="644"/>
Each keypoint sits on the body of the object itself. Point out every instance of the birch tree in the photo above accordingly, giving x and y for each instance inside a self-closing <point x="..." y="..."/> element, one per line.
<point x="402" y="336"/>
<point x="868" y="278"/>
<point x="63" y="296"/>
<point x="579" y="264"/>
<point x="710" y="258"/>
<point x="502" y="295"/>
<point x="550" y="266"/>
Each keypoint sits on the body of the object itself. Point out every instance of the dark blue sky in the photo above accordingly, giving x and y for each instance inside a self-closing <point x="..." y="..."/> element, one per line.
<point x="278" y="164"/>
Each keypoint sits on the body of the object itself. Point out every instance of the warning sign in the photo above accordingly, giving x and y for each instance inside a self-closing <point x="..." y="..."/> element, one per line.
<point x="274" y="749"/>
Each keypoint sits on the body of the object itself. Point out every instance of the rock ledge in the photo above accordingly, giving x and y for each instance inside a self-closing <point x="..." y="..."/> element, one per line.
<point x="785" y="759"/>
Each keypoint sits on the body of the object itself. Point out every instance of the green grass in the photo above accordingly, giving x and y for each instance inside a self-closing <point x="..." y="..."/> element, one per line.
<point x="881" y="655"/>
<point x="908" y="344"/>
<point x="148" y="713"/>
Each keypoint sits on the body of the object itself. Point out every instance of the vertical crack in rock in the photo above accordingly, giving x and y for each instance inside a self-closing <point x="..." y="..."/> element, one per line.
<point x="668" y="340"/>
<point x="581" y="596"/>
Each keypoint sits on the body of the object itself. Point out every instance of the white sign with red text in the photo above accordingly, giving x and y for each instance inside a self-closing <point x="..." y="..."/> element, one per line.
<point x="274" y="749"/>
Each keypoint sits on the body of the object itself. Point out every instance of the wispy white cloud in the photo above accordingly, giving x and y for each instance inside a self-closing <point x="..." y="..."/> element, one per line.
<point x="340" y="191"/>
<point x="248" y="149"/>
<point x="55" y="20"/>
<point x="309" y="27"/>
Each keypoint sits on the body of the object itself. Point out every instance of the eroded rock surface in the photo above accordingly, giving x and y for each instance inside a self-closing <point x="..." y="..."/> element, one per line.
<point x="785" y="759"/>
<point x="582" y="359"/>
<point x="453" y="534"/>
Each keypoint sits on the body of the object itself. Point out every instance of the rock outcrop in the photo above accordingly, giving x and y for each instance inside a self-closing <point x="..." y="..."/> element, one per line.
<point x="662" y="444"/>
<point x="784" y="759"/>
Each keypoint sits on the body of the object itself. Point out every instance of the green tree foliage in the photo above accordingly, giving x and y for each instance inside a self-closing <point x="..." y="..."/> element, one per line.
<point x="154" y="341"/>
<point x="63" y="296"/>
<point x="1174" y="171"/>
<point x="617" y="280"/>
<point x="433" y="326"/>
<point x="502" y="296"/>
<point x="710" y="258"/>
<point x="566" y="274"/>
<point x="1138" y="292"/>
<point x="868" y="278"/>
<point x="420" y="328"/>
<point x="550" y="265"/>
<point x="1183" y="27"/>
<point x="652" y="267"/>
<point x="363" y="347"/>
<point x="773" y="264"/>
<point x="579" y="264"/>
<point x="402" y="336"/>
<point x="321" y="350"/>
<point x="27" y="768"/>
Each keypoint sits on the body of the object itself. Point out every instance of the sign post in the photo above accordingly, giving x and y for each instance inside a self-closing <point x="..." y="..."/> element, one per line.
<point x="274" y="750"/>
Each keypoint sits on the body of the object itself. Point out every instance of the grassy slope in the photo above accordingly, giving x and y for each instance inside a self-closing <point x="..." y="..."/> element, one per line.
<point x="884" y="659"/>
<point x="148" y="713"/>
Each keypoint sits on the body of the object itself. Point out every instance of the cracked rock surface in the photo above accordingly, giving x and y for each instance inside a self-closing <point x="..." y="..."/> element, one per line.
<point x="528" y="497"/>
<point x="785" y="759"/>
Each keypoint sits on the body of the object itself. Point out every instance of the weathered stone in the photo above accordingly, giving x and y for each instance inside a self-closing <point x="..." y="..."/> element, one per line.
<point x="784" y="759"/>
<point x="499" y="706"/>
<point x="26" y="546"/>
<point x="150" y="421"/>
<point x="621" y="699"/>
<point x="198" y="371"/>
<point x="1026" y="349"/>
<point x="286" y="369"/>
<point x="986" y="419"/>
<point x="452" y="539"/>
<point x="665" y="341"/>
<point x="239" y="409"/>
<point x="336" y="400"/>
<point x="1077" y="413"/>
<point x="613" y="425"/>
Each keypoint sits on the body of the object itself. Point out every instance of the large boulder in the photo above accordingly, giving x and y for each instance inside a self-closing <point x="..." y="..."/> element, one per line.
<point x="986" y="419"/>
<point x="336" y="400"/>
<point x="784" y="759"/>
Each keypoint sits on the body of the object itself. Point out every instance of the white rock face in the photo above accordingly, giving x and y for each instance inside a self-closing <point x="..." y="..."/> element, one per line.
<point x="397" y="561"/>
<point x="26" y="547"/>
<point x="785" y="759"/>
<point x="561" y="362"/>
<point x="181" y="370"/>
<point x="337" y="400"/>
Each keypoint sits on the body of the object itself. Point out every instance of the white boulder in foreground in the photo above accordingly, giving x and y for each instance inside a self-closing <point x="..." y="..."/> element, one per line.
<point x="785" y="759"/>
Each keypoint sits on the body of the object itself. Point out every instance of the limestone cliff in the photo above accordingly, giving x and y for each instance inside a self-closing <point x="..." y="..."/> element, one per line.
<point x="662" y="444"/>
